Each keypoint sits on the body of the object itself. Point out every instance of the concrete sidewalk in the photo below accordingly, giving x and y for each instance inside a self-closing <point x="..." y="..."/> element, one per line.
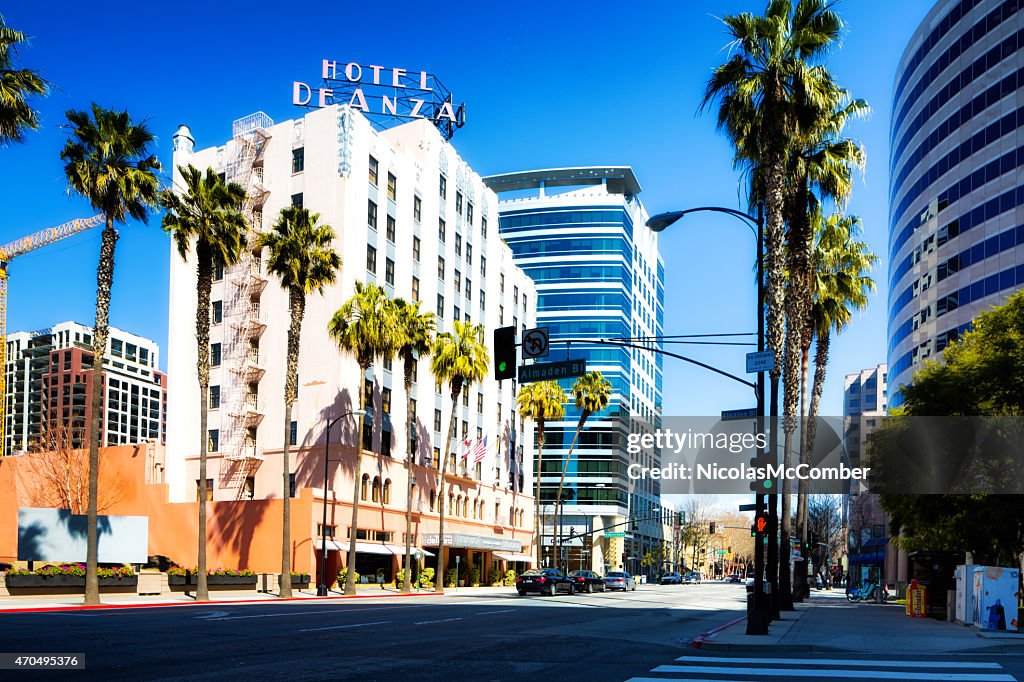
<point x="223" y="598"/>
<point x="828" y="622"/>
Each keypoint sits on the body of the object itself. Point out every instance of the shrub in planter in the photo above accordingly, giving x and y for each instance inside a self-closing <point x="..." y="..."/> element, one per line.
<point x="343" y="576"/>
<point x="450" y="576"/>
<point x="426" y="578"/>
<point x="177" y="575"/>
<point x="474" y="577"/>
<point x="400" y="577"/>
<point x="69" y="575"/>
<point x="510" y="578"/>
<point x="300" y="578"/>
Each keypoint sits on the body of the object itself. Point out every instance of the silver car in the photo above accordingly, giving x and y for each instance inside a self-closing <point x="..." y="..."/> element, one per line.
<point x="620" y="580"/>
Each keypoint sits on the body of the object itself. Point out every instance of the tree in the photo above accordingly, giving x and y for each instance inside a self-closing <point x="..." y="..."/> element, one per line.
<point x="107" y="160"/>
<point x="208" y="218"/>
<point x="769" y="92"/>
<point x="592" y="392"/>
<point x="61" y="474"/>
<point x="16" y="86"/>
<point x="460" y="359"/>
<point x="541" y="402"/>
<point x="303" y="260"/>
<point x="365" y="327"/>
<point x="824" y="523"/>
<point x="416" y="335"/>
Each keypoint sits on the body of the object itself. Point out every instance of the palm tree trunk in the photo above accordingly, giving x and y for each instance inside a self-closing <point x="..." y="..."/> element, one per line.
<point x="104" y="281"/>
<point x="441" y="565"/>
<point x="565" y="468"/>
<point x="204" y="285"/>
<point x="537" y="520"/>
<point x="410" y="425"/>
<point x="805" y="455"/>
<point x="297" y="309"/>
<point x="350" y="563"/>
<point x="820" y="366"/>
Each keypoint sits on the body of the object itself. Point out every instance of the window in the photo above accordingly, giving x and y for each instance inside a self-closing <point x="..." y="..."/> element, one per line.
<point x="218" y="275"/>
<point x="515" y="295"/>
<point x="376" y="489"/>
<point x="214" y="355"/>
<point x="209" y="491"/>
<point x="364" y="487"/>
<point x="298" y="160"/>
<point x="440" y="267"/>
<point x="373" y="171"/>
<point x="483" y="266"/>
<point x="469" y="253"/>
<point x="441" y="230"/>
<point x="391" y="228"/>
<point x="387" y="491"/>
<point x="501" y="314"/>
<point x="457" y="313"/>
<point x="416" y="249"/>
<point x="465" y="429"/>
<point x="458" y="203"/>
<point x="297" y="200"/>
<point x="293" y="433"/>
<point x="483" y="299"/>
<point x="291" y="493"/>
<point x="371" y="214"/>
<point x="437" y="421"/>
<point x="392" y="187"/>
<point x="385" y="443"/>
<point x="501" y="283"/>
<point x="479" y="402"/>
<point x="217" y="312"/>
<point x="469" y="212"/>
<point x="417" y="208"/>
<point x="368" y="392"/>
<point x="443" y="187"/>
<point x="213" y="442"/>
<point x="389" y="271"/>
<point x="433" y="499"/>
<point x="371" y="258"/>
<point x="524" y="303"/>
<point x="458" y="281"/>
<point x="458" y="244"/>
<point x="415" y="289"/>
<point x="387" y="363"/>
<point x="465" y="398"/>
<point x="483" y="227"/>
<point x="440" y="306"/>
<point x="385" y="400"/>
<point x="214" y="397"/>
<point x="249" y="488"/>
<point x="469" y="289"/>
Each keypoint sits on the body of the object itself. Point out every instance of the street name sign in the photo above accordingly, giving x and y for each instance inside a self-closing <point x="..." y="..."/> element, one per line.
<point x="616" y="534"/>
<point x="733" y="415"/>
<point x="748" y="507"/>
<point x="761" y="361"/>
<point x="535" y="343"/>
<point x="547" y="371"/>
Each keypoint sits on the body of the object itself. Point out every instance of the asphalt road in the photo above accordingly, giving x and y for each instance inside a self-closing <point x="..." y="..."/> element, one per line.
<point x="484" y="637"/>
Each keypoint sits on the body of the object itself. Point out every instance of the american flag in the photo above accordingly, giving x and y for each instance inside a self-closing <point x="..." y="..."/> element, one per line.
<point x="479" y="450"/>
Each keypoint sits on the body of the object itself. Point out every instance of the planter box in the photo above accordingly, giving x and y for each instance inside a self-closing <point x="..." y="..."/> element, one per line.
<point x="300" y="580"/>
<point x="179" y="580"/>
<point x="66" y="581"/>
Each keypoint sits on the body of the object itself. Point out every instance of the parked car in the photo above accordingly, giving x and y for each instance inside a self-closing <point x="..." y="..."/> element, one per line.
<point x="671" y="578"/>
<point x="693" y="577"/>
<point x="620" y="580"/>
<point x="588" y="581"/>
<point x="547" y="581"/>
<point x="733" y="578"/>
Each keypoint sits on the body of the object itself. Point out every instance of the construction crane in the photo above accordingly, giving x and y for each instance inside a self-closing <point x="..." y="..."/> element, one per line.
<point x="9" y="252"/>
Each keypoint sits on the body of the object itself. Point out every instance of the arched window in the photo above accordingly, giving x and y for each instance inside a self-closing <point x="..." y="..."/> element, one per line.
<point x="480" y="510"/>
<point x="387" y="491"/>
<point x="497" y="512"/>
<point x="376" y="488"/>
<point x="364" y="487"/>
<point x="433" y="500"/>
<point x="451" y="504"/>
<point x="476" y="509"/>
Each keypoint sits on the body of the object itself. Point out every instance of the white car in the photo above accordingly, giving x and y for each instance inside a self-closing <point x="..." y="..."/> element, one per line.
<point x="691" y="578"/>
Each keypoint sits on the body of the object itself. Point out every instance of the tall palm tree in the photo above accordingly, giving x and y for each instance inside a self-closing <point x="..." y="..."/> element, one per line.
<point x="205" y="215"/>
<point x="460" y="359"/>
<point x="768" y="90"/>
<point x="303" y="260"/>
<point x="108" y="160"/>
<point x="416" y="331"/>
<point x="16" y="86"/>
<point x="592" y="393"/>
<point x="541" y="402"/>
<point x="365" y="326"/>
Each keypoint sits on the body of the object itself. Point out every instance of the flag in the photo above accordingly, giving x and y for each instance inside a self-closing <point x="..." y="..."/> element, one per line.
<point x="480" y="450"/>
<point x="466" y="444"/>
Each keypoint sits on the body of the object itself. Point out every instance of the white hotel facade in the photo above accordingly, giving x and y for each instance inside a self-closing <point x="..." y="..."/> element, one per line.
<point x="412" y="216"/>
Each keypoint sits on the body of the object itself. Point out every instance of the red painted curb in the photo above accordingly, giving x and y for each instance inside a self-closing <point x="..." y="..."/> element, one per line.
<point x="699" y="639"/>
<point x="163" y="605"/>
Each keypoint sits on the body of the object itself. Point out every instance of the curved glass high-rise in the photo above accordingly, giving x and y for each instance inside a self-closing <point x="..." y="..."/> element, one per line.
<point x="956" y="192"/>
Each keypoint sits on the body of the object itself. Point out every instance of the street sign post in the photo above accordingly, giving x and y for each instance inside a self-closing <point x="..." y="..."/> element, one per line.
<point x="546" y="371"/>
<point x="761" y="361"/>
<point x="535" y="343"/>
<point x="734" y="415"/>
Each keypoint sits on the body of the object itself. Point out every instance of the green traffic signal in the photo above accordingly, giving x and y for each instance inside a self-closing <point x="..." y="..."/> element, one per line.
<point x="767" y="484"/>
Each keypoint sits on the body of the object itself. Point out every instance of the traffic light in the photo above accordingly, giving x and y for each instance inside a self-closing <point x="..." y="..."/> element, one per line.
<point x="682" y="518"/>
<point x="762" y="484"/>
<point x="505" y="353"/>
<point x="711" y="528"/>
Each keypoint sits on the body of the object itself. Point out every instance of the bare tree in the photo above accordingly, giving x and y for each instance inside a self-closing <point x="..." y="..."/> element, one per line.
<point x="61" y="474"/>
<point x="825" y="523"/>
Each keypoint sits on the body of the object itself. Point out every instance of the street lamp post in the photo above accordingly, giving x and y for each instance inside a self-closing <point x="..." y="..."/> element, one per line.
<point x="760" y="614"/>
<point x="321" y="589"/>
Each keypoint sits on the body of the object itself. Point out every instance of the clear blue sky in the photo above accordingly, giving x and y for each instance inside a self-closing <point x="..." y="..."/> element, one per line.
<point x="546" y="85"/>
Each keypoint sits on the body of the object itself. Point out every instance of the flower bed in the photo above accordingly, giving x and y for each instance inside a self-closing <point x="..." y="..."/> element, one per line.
<point x="70" y="575"/>
<point x="177" y="576"/>
<point x="300" y="579"/>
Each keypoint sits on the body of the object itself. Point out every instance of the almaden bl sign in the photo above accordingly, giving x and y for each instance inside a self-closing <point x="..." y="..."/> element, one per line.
<point x="383" y="93"/>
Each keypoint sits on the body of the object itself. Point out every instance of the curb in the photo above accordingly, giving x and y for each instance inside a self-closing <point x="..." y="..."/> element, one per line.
<point x="701" y="640"/>
<point x="167" y="605"/>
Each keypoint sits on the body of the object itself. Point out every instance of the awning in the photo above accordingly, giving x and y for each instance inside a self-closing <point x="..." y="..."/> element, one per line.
<point x="375" y="548"/>
<point x="513" y="556"/>
<point x="331" y="545"/>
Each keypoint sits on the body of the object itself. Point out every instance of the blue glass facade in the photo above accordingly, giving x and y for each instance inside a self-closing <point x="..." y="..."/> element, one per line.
<point x="956" y="222"/>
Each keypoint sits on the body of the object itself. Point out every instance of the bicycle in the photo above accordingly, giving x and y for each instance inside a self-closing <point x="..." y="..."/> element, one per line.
<point x="869" y="590"/>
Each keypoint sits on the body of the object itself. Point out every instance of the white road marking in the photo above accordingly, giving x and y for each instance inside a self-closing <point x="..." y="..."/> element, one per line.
<point x="323" y="611"/>
<point x="850" y="663"/>
<point x="833" y="673"/>
<point x="342" y="627"/>
<point x="486" y="613"/>
<point x="442" y="620"/>
<point x="208" y="615"/>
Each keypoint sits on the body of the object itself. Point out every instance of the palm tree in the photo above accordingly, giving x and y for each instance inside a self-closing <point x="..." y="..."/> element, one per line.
<point x="416" y="330"/>
<point x="364" y="326"/>
<point x="16" y="85"/>
<point x="768" y="91"/>
<point x="207" y="217"/>
<point x="460" y="359"/>
<point x="107" y="160"/>
<point x="542" y="401"/>
<point x="302" y="258"/>
<point x="592" y="393"/>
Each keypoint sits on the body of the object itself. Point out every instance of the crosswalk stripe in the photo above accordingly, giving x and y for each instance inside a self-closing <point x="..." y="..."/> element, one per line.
<point x="831" y="673"/>
<point x="850" y="663"/>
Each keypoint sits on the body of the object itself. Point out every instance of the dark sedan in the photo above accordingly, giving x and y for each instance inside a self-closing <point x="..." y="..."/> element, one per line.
<point x="588" y="581"/>
<point x="547" y="581"/>
<point x="671" y="578"/>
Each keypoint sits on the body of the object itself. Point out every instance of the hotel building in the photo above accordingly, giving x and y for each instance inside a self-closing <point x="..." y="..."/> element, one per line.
<point x="49" y="387"/>
<point x="581" y="235"/>
<point x="956" y="218"/>
<point x="413" y="217"/>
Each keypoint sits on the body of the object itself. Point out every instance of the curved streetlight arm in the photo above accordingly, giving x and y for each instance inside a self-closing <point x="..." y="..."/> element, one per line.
<point x="662" y="220"/>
